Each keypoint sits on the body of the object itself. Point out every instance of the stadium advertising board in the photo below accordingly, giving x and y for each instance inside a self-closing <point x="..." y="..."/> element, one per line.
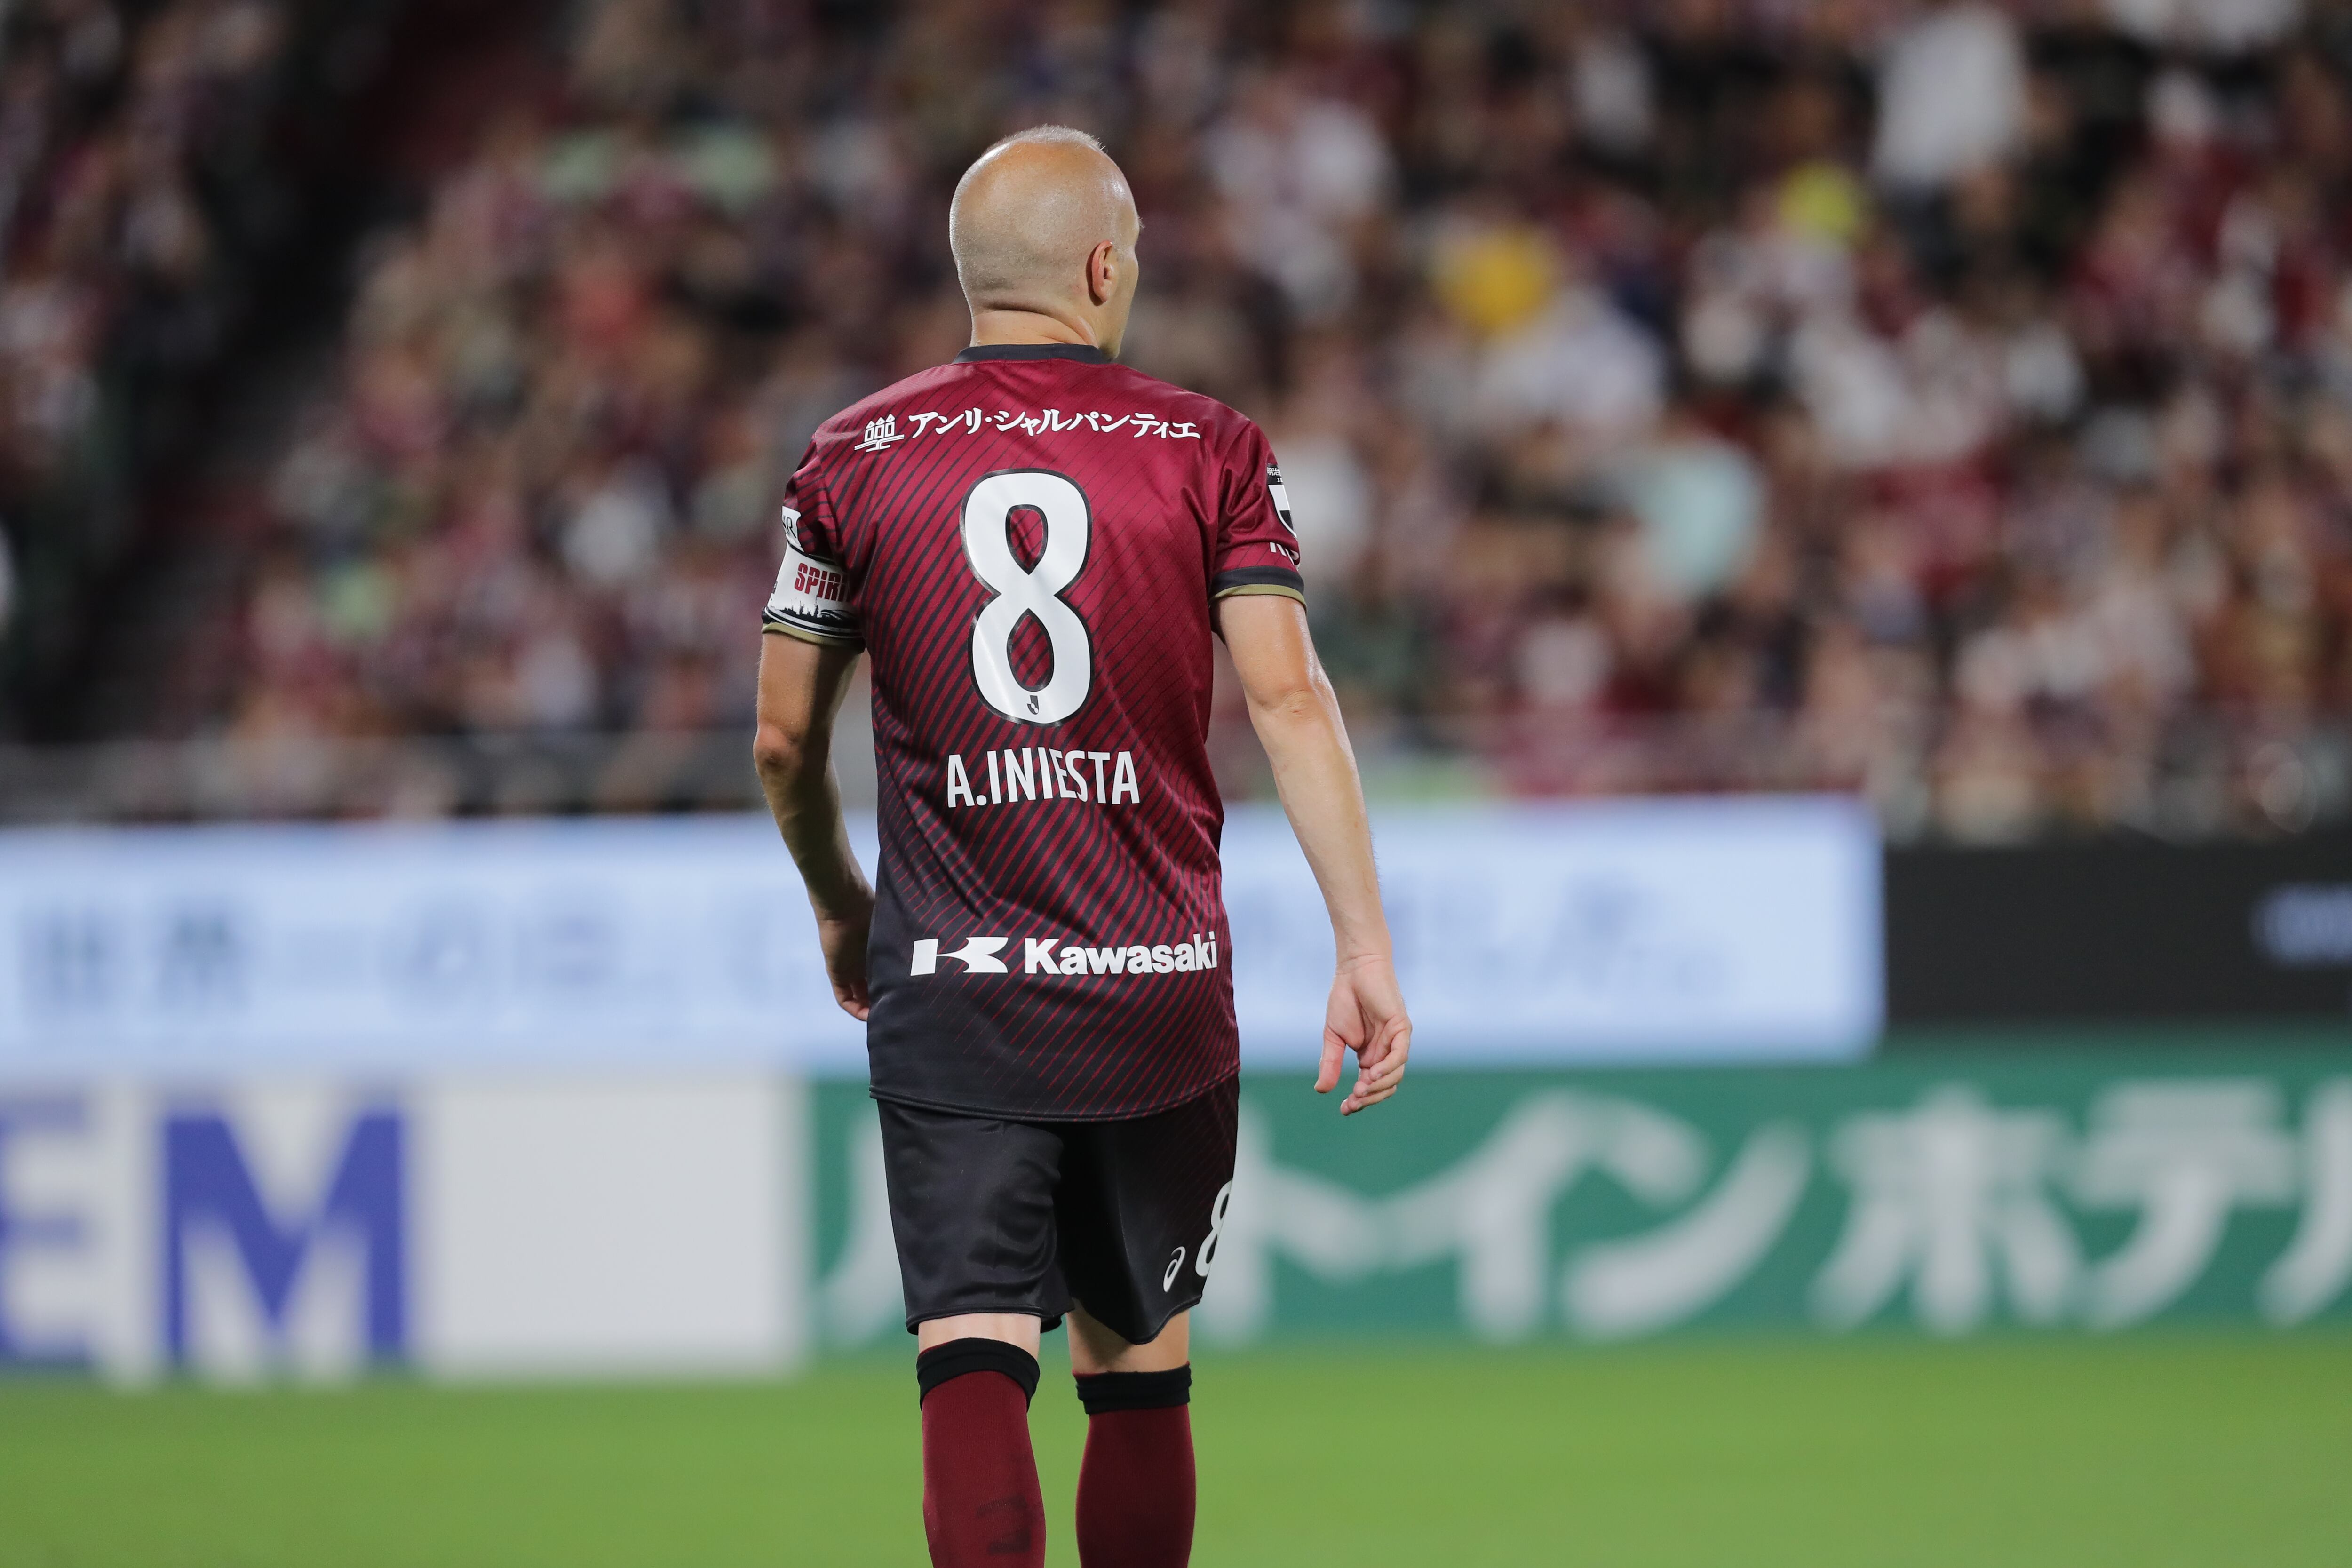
<point x="621" y="1225"/>
<point x="464" y="1227"/>
<point x="1949" y="1198"/>
<point x="1699" y="931"/>
<point x="2074" y="933"/>
<point x="1684" y="930"/>
<point x="516" y="1099"/>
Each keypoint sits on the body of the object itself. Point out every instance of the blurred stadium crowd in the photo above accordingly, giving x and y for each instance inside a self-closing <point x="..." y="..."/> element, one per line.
<point x="1952" y="401"/>
<point x="145" y="184"/>
<point x="111" y="120"/>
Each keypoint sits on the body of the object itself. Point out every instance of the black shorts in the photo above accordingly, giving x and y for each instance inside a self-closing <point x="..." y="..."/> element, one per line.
<point x="1029" y="1216"/>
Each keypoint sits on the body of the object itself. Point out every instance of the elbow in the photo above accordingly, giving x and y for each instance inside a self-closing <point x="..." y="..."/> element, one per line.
<point x="1301" y="702"/>
<point x="778" y="753"/>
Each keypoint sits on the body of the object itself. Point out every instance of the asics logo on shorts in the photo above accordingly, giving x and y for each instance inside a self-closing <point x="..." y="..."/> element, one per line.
<point x="1050" y="955"/>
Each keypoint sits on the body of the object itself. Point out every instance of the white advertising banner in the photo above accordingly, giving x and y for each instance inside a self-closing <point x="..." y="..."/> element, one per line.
<point x="465" y="1226"/>
<point x="513" y="943"/>
<point x="1704" y="930"/>
<point x="1638" y="930"/>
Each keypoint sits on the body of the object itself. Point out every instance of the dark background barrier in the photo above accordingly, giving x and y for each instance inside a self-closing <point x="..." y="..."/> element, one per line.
<point x="2120" y="931"/>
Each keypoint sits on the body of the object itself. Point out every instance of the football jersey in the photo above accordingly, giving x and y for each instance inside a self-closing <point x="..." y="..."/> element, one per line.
<point x="1027" y="543"/>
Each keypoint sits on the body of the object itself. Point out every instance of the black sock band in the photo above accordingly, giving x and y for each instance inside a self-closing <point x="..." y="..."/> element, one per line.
<point x="1108" y="1391"/>
<point x="957" y="1357"/>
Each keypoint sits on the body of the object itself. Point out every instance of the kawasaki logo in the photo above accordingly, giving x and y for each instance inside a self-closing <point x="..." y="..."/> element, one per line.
<point x="980" y="955"/>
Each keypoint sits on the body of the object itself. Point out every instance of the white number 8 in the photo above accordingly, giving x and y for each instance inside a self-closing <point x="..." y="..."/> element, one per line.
<point x="987" y="542"/>
<point x="1208" y="1258"/>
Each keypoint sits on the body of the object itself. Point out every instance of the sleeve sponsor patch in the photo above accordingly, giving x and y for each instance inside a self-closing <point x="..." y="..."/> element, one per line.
<point x="1274" y="488"/>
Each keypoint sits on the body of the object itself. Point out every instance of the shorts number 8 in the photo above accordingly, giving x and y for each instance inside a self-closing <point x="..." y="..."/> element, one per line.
<point x="1208" y="1257"/>
<point x="1020" y="591"/>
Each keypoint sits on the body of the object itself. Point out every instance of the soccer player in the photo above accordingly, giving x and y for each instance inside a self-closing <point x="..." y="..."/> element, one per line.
<point x="1035" y="544"/>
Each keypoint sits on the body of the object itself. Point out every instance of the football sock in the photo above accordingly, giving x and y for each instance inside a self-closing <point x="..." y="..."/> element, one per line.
<point x="981" y="1503"/>
<point x="1136" y="1484"/>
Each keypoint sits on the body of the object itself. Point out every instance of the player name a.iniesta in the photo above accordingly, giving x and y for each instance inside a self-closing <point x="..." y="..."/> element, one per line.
<point x="1041" y="773"/>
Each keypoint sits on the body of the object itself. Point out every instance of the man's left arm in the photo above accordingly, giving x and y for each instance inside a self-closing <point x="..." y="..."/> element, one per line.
<point x="802" y="685"/>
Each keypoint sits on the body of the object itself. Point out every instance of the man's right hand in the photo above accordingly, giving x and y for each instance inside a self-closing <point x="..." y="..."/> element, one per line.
<point x="1366" y="1015"/>
<point x="844" y="937"/>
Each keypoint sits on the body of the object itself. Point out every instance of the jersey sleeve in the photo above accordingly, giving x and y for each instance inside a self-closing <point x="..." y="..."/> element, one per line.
<point x="811" y="595"/>
<point x="1258" y="547"/>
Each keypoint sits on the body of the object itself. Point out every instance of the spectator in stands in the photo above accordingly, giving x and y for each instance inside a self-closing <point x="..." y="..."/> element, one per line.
<point x="1930" y="399"/>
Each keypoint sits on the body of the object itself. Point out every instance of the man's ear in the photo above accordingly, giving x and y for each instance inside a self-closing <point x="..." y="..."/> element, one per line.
<point x="1102" y="272"/>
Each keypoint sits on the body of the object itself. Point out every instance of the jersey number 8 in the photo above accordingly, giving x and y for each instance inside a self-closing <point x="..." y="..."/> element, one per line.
<point x="1029" y="591"/>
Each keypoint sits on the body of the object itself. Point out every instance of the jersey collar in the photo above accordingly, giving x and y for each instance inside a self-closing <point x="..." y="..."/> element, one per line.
<point x="1085" y="353"/>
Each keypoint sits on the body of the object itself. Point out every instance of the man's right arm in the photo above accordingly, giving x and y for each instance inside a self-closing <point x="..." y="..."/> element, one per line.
<point x="802" y="685"/>
<point x="1297" y="716"/>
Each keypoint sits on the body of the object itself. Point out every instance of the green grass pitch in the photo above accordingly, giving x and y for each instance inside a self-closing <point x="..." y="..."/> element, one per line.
<point x="2177" y="1452"/>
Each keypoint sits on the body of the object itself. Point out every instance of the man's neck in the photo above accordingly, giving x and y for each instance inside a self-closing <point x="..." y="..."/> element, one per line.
<point x="990" y="328"/>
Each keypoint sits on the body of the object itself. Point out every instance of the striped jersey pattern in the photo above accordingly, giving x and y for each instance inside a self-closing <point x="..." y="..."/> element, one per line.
<point x="1029" y="543"/>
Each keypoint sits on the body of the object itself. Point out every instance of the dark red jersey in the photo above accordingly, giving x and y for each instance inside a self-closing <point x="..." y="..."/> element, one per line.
<point x="1027" y="543"/>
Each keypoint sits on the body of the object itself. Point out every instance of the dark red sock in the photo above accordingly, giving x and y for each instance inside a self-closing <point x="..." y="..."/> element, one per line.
<point x="981" y="1503"/>
<point x="1136" y="1485"/>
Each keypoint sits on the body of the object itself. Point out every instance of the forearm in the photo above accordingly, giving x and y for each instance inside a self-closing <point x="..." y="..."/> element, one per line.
<point x="800" y="691"/>
<point x="804" y="797"/>
<point x="1315" y="772"/>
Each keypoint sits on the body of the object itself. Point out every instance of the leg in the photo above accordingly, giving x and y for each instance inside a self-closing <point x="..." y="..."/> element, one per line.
<point x="1140" y="1209"/>
<point x="981" y="1499"/>
<point x="1137" y="1487"/>
<point x="971" y="1210"/>
<point x="1095" y="1349"/>
<point x="1021" y="1329"/>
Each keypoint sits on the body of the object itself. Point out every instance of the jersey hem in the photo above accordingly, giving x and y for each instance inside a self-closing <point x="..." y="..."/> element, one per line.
<point x="1234" y="577"/>
<point x="1000" y="1114"/>
<point x="1253" y="589"/>
<point x="823" y="640"/>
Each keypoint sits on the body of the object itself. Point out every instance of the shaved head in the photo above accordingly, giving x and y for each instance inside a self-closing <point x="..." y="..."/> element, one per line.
<point x="1029" y="227"/>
